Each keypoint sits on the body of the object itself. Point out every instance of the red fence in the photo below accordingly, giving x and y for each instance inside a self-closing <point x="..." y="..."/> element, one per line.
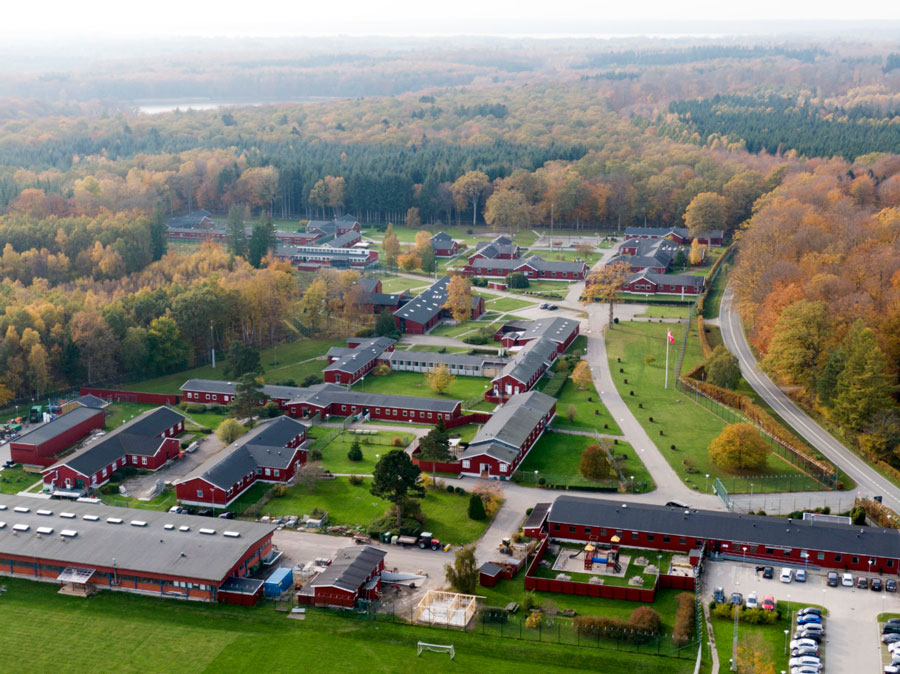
<point x="473" y="418"/>
<point x="116" y="395"/>
<point x="454" y="467"/>
<point x="677" y="583"/>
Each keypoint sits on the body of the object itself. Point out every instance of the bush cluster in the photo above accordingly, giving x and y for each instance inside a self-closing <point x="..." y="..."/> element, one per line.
<point x="685" y="617"/>
<point x="642" y="625"/>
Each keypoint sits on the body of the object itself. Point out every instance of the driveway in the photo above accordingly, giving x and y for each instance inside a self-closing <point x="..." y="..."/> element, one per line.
<point x="853" y="641"/>
<point x="143" y="485"/>
<point x="869" y="481"/>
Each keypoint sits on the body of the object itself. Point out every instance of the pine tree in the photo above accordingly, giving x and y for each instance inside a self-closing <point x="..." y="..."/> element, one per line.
<point x="826" y="385"/>
<point x="385" y="326"/>
<point x="237" y="238"/>
<point x="476" y="508"/>
<point x="864" y="385"/>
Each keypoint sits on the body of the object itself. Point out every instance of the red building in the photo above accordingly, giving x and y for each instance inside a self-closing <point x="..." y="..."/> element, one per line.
<point x="501" y="248"/>
<point x="426" y="310"/>
<point x="345" y="240"/>
<point x="147" y="441"/>
<point x="680" y="235"/>
<point x="756" y="538"/>
<point x="650" y="283"/>
<point x="443" y="245"/>
<point x="354" y="574"/>
<point x="84" y="547"/>
<point x="533" y="267"/>
<point x="560" y="331"/>
<point x="655" y="255"/>
<point x="38" y="447"/>
<point x="523" y="371"/>
<point x="311" y="258"/>
<point x="348" y="366"/>
<point x="271" y="452"/>
<point x="503" y="442"/>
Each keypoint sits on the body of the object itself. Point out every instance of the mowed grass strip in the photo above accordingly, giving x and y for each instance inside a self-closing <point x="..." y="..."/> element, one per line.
<point x="334" y="453"/>
<point x="686" y="425"/>
<point x="590" y="415"/>
<point x="166" y="635"/>
<point x="414" y="384"/>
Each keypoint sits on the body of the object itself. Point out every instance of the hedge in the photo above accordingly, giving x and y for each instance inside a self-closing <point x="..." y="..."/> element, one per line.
<point x="685" y="618"/>
<point x="643" y="625"/>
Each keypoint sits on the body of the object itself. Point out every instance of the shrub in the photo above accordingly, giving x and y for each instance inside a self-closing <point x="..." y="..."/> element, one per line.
<point x="594" y="463"/>
<point x="529" y="601"/>
<point x="460" y="491"/>
<point x="645" y="619"/>
<point x="355" y="453"/>
<point x="542" y="481"/>
<point x="288" y="382"/>
<point x="571" y="413"/>
<point x="397" y="441"/>
<point x="476" y="508"/>
<point x="272" y="409"/>
<point x="534" y="620"/>
<point x="382" y="370"/>
<point x="311" y="380"/>
<point x="528" y="511"/>
<point x="685" y="617"/>
<point x="649" y="359"/>
<point x="355" y="480"/>
<point x="279" y="490"/>
<point x="229" y="431"/>
<point x="449" y="488"/>
<point x="315" y="455"/>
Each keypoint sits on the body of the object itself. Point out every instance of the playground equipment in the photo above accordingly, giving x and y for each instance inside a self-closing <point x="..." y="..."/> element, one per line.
<point x="608" y="555"/>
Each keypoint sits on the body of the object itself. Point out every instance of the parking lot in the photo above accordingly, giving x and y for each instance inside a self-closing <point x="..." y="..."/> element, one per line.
<point x="852" y="631"/>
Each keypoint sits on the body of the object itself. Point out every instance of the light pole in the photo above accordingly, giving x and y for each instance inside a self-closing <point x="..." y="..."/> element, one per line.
<point x="786" y="632"/>
<point x="706" y="489"/>
<point x="871" y="562"/>
<point x="535" y="477"/>
<point x="632" y="484"/>
<point x="744" y="548"/>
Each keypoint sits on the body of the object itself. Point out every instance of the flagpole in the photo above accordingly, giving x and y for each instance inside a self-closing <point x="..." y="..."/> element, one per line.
<point x="667" y="361"/>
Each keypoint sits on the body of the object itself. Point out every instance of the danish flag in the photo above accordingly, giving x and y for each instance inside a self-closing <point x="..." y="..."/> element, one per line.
<point x="670" y="337"/>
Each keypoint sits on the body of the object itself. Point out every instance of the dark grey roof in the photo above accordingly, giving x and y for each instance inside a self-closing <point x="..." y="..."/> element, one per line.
<point x="262" y="447"/>
<point x="323" y="395"/>
<point x="512" y="423"/>
<point x="496" y="263"/>
<point x="92" y="401"/>
<point x="555" y="329"/>
<point x="538" y="515"/>
<point x="727" y="526"/>
<point x="668" y="279"/>
<point x="442" y="238"/>
<point x="350" y="568"/>
<point x="238" y="585"/>
<point x="320" y="252"/>
<point x="344" y="239"/>
<point x="385" y="299"/>
<point x="188" y="221"/>
<point x="368" y="284"/>
<point x="360" y="356"/>
<point x="59" y="425"/>
<point x="431" y="358"/>
<point x="139" y="436"/>
<point x="326" y="226"/>
<point x="228" y="387"/>
<point x="150" y="549"/>
<point x="656" y="231"/>
<point x="541" y="264"/>
<point x="529" y="360"/>
<point x="494" y="450"/>
<point x="346" y="219"/>
<point x="490" y="569"/>
<point x="429" y="303"/>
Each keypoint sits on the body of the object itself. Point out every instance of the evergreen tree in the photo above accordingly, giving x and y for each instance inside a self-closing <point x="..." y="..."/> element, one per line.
<point x="723" y="369"/>
<point x="396" y="479"/>
<point x="237" y="238"/>
<point x="826" y="385"/>
<point x="864" y="385"/>
<point x="241" y="359"/>
<point x="435" y="445"/>
<point x="355" y="452"/>
<point x="158" y="241"/>
<point x="248" y="392"/>
<point x="476" y="508"/>
<point x="385" y="325"/>
<point x="262" y="240"/>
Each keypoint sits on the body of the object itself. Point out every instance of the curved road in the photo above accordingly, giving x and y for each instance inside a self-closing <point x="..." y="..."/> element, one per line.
<point x="869" y="481"/>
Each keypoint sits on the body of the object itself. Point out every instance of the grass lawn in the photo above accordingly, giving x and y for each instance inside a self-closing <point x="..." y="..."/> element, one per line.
<point x="590" y="415"/>
<point x="665" y="311"/>
<point x="507" y="304"/>
<point x="545" y="289"/>
<point x="686" y="425"/>
<point x="396" y="284"/>
<point x="37" y="624"/>
<point x="446" y="515"/>
<point x="334" y="454"/>
<point x="289" y="366"/>
<point x="556" y="457"/>
<point x="714" y="296"/>
<point x="569" y="255"/>
<point x="15" y="479"/>
<point x="162" y="502"/>
<point x="664" y="560"/>
<point x="413" y="384"/>
<point x="119" y="413"/>
<point x="209" y="420"/>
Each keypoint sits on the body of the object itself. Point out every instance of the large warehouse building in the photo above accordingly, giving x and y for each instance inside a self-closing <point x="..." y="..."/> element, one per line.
<point x="38" y="447"/>
<point x="86" y="546"/>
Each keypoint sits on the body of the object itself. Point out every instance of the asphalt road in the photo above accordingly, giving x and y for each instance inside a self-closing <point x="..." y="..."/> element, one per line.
<point x="869" y="482"/>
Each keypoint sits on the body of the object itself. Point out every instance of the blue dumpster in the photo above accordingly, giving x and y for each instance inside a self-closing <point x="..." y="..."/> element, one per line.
<point x="279" y="581"/>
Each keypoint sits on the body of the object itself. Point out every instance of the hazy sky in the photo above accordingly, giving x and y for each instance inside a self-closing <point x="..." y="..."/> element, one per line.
<point x="115" y="18"/>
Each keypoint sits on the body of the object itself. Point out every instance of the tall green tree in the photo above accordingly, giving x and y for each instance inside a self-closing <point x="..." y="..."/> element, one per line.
<point x="396" y="480"/>
<point x="435" y="444"/>
<point x="262" y="240"/>
<point x="797" y="349"/>
<point x="167" y="349"/>
<point x="864" y="385"/>
<point x="826" y="384"/>
<point x="237" y="238"/>
<point x="463" y="575"/>
<point x="248" y="393"/>
<point x="385" y="326"/>
<point x="723" y="369"/>
<point x="241" y="359"/>
<point x="158" y="241"/>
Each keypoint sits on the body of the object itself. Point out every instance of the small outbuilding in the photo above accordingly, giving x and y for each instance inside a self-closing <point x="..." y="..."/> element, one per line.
<point x="489" y="574"/>
<point x="281" y="580"/>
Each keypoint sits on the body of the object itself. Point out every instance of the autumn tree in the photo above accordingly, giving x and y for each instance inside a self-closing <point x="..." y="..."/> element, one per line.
<point x="753" y="656"/>
<point x="462" y="576"/>
<point x="723" y="368"/>
<point x="311" y="310"/>
<point x="604" y="285"/>
<point x="425" y="251"/>
<point x="336" y="193"/>
<point x="507" y="209"/>
<point x="584" y="250"/>
<point x="697" y="254"/>
<point x="705" y="213"/>
<point x="439" y="379"/>
<point x="230" y="430"/>
<point x="396" y="480"/>
<point x="96" y="344"/>
<point x="469" y="189"/>
<point x="413" y="219"/>
<point x="459" y="298"/>
<point x="391" y="245"/>
<point x="158" y="240"/>
<point x="581" y="376"/>
<point x="409" y="261"/>
<point x="318" y="195"/>
<point x="864" y="385"/>
<point x="796" y="350"/>
<point x="594" y="464"/>
<point x="739" y="447"/>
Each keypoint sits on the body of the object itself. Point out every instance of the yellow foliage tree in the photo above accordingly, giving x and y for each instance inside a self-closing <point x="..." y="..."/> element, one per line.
<point x="459" y="298"/>
<point x="752" y="656"/>
<point x="409" y="261"/>
<point x="738" y="447"/>
<point x="391" y="246"/>
<point x="582" y="375"/>
<point x="697" y="254"/>
<point x="604" y="285"/>
<point x="439" y="379"/>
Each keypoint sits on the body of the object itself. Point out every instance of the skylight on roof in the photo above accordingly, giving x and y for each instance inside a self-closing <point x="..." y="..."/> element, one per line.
<point x="208" y="532"/>
<point x="232" y="534"/>
<point x="22" y="509"/>
<point x="138" y="523"/>
<point x="68" y="533"/>
<point x="114" y="520"/>
<point x="91" y="518"/>
<point x="168" y="527"/>
<point x="184" y="527"/>
<point x="68" y="516"/>
<point x="21" y="527"/>
<point x="45" y="513"/>
<point x="44" y="530"/>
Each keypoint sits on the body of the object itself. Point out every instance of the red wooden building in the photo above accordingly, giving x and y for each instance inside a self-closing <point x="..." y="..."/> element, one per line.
<point x="680" y="235"/>
<point x="650" y="283"/>
<point x="147" y="441"/>
<point x="501" y="248"/>
<point x="85" y="546"/>
<point x="271" y="453"/>
<point x="348" y="365"/>
<point x="39" y="446"/>
<point x="560" y="331"/>
<point x="354" y="574"/>
<point x="443" y="245"/>
<point x="523" y="371"/>
<point x="310" y="258"/>
<point x="533" y="267"/>
<point x="426" y="310"/>
<point x="722" y="534"/>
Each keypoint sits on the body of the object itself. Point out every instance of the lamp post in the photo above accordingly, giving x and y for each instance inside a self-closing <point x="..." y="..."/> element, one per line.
<point x="744" y="548"/>
<point x="786" y="632"/>
<point x="871" y="563"/>
<point x="535" y="477"/>
<point x="632" y="484"/>
<point x="706" y="489"/>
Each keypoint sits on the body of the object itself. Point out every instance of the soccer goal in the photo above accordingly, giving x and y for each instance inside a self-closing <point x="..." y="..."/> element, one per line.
<point x="437" y="648"/>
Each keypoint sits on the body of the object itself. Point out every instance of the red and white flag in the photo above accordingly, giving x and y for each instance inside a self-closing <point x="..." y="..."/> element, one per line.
<point x="670" y="337"/>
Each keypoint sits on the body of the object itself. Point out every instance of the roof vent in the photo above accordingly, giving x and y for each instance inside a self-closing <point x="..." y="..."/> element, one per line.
<point x="68" y="533"/>
<point x="68" y="516"/>
<point x="114" y="520"/>
<point x="168" y="527"/>
<point x="22" y="509"/>
<point x="138" y="523"/>
<point x="45" y="530"/>
<point x="184" y="527"/>
<point x="91" y="518"/>
<point x="44" y="512"/>
<point x="21" y="527"/>
<point x="624" y="505"/>
<point x="232" y="534"/>
<point x="208" y="532"/>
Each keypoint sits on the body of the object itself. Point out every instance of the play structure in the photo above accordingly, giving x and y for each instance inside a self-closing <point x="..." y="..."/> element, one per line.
<point x="604" y="554"/>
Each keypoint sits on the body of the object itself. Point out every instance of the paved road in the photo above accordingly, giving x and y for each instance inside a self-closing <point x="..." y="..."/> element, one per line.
<point x="869" y="482"/>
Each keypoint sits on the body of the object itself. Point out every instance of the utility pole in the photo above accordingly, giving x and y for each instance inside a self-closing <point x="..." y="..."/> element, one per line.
<point x="212" y="343"/>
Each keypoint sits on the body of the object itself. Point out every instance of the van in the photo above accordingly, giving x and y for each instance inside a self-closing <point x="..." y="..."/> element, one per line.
<point x="787" y="575"/>
<point x="847" y="580"/>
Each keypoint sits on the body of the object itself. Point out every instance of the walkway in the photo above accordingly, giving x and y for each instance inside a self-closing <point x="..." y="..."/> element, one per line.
<point x="869" y="481"/>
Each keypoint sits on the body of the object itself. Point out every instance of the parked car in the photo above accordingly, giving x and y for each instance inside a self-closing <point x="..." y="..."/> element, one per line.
<point x="806" y="669"/>
<point x="892" y="621"/>
<point x="814" y="636"/>
<point x="810" y="609"/>
<point x="890" y="638"/>
<point x="804" y="643"/>
<point x="787" y="575"/>
<point x="768" y="572"/>
<point x="892" y="669"/>
<point x="862" y="582"/>
<point x="544" y="305"/>
<point x="890" y="586"/>
<point x="833" y="579"/>
<point x="227" y="515"/>
<point x="809" y="618"/>
<point x="719" y="595"/>
<point x="806" y="660"/>
<point x="847" y="580"/>
<point x="205" y="512"/>
<point x="875" y="585"/>
<point x="737" y="599"/>
<point x="811" y="630"/>
<point x="752" y="600"/>
<point x="768" y="603"/>
<point x="176" y="509"/>
<point x="806" y="650"/>
<point x="800" y="575"/>
<point x="892" y="628"/>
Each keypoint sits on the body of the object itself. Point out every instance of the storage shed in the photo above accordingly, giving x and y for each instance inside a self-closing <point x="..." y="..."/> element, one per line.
<point x="281" y="580"/>
<point x="489" y="574"/>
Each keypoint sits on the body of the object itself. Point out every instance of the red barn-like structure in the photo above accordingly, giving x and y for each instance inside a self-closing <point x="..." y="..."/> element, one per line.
<point x="38" y="447"/>
<point x="354" y="574"/>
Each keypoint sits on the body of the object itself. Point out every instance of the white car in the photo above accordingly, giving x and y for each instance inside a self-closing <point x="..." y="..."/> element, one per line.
<point x="802" y="643"/>
<point x="847" y="580"/>
<point x="805" y="661"/>
<point x="787" y="575"/>
<point x="752" y="600"/>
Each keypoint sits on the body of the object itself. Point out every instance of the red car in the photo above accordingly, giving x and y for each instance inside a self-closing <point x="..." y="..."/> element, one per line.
<point x="768" y="603"/>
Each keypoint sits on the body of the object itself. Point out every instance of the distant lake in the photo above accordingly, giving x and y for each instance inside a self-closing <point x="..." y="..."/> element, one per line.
<point x="159" y="106"/>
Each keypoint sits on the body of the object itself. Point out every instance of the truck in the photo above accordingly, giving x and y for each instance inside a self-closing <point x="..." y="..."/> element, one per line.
<point x="36" y="414"/>
<point x="424" y="541"/>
